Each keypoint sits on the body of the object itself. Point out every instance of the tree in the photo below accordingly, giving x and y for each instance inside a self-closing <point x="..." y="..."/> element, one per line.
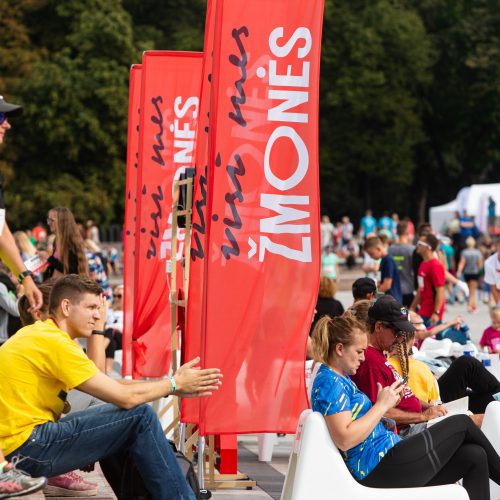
<point x="75" y="97"/>
<point x="376" y="55"/>
<point x="461" y="108"/>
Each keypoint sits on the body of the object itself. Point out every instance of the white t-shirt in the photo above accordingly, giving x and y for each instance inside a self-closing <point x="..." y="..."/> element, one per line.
<point x="492" y="270"/>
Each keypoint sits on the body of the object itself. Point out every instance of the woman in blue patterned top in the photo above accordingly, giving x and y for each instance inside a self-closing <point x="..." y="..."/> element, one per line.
<point x="450" y="450"/>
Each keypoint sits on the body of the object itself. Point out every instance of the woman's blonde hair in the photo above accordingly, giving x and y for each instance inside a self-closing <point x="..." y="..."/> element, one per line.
<point x="470" y="242"/>
<point x="328" y="332"/>
<point x="69" y="240"/>
<point x="360" y="311"/>
<point x="24" y="243"/>
<point x="494" y="311"/>
<point x="327" y="288"/>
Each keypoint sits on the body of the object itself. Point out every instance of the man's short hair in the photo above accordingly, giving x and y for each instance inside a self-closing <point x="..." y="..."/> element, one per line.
<point x="362" y="287"/>
<point x="424" y="228"/>
<point x="402" y="228"/>
<point x="432" y="241"/>
<point x="71" y="287"/>
<point x="372" y="242"/>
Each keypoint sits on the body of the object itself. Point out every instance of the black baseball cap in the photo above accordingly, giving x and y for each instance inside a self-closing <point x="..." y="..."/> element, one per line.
<point x="363" y="286"/>
<point x="8" y="108"/>
<point x="389" y="310"/>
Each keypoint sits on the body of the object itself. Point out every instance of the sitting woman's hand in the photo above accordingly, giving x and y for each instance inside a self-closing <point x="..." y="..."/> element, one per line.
<point x="390" y="395"/>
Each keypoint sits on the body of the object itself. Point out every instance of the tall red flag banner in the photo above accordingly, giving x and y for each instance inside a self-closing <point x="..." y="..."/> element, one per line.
<point x="130" y="215"/>
<point x="170" y="91"/>
<point x="262" y="263"/>
<point x="191" y="346"/>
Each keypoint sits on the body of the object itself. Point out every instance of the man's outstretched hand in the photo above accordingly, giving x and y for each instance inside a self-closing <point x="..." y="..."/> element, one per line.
<point x="193" y="382"/>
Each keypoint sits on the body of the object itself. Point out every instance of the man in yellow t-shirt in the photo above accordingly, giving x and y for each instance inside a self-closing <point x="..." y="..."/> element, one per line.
<point x="41" y="363"/>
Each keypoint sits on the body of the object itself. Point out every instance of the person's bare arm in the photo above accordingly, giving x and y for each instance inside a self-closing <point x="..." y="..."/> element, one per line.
<point x="443" y="326"/>
<point x="96" y="344"/>
<point x="190" y="382"/>
<point x="496" y="293"/>
<point x="416" y="301"/>
<point x="461" y="265"/>
<point x="385" y="285"/>
<point x="449" y="278"/>
<point x="406" y="417"/>
<point x="438" y="303"/>
<point x="347" y="433"/>
<point x="12" y="258"/>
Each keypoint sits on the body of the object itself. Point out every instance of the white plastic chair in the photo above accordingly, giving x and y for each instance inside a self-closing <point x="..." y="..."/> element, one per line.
<point x="317" y="471"/>
<point x="491" y="428"/>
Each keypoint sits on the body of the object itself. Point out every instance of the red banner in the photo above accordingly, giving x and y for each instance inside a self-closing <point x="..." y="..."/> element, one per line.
<point x="170" y="93"/>
<point x="130" y="215"/>
<point x="191" y="347"/>
<point x="262" y="262"/>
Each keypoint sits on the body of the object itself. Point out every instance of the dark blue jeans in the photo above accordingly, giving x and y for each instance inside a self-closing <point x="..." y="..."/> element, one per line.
<point x="101" y="432"/>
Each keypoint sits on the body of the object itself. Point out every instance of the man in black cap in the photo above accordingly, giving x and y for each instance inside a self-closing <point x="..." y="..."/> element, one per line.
<point x="364" y="289"/>
<point x="14" y="482"/>
<point x="389" y="321"/>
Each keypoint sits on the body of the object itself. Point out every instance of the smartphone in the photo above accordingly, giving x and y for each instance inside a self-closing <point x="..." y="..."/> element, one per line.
<point x="405" y="380"/>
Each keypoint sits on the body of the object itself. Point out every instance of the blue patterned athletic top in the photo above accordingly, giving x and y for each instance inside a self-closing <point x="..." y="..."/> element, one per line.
<point x="332" y="393"/>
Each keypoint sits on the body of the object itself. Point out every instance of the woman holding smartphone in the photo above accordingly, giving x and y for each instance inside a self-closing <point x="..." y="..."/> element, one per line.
<point x="448" y="451"/>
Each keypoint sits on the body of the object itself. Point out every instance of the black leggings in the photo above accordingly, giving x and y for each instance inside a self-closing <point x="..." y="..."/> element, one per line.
<point x="450" y="450"/>
<point x="466" y="376"/>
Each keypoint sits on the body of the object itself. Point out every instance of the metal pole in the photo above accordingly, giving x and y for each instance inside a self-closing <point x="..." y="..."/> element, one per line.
<point x="201" y="461"/>
<point x="182" y="437"/>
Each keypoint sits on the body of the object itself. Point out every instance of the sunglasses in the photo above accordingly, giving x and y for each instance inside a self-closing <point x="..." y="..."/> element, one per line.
<point x="118" y="295"/>
<point x="3" y="117"/>
<point x="398" y="335"/>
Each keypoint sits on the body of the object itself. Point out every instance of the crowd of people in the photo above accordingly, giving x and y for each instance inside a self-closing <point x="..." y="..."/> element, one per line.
<point x="382" y="426"/>
<point x="382" y="406"/>
<point x="392" y="250"/>
<point x="377" y="399"/>
<point x="59" y="410"/>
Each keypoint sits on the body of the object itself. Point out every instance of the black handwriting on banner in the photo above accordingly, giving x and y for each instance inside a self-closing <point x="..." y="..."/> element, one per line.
<point x="158" y="120"/>
<point x="231" y="198"/>
<point x="197" y="251"/>
<point x="156" y="216"/>
<point x="241" y="62"/>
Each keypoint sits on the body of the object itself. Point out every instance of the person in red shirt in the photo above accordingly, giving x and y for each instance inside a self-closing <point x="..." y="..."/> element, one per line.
<point x="388" y="321"/>
<point x="431" y="279"/>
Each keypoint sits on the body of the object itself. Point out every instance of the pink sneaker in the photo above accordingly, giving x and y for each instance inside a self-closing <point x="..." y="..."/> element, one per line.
<point x="70" y="484"/>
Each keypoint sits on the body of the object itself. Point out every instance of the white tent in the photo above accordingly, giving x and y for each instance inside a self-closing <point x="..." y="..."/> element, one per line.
<point x="474" y="199"/>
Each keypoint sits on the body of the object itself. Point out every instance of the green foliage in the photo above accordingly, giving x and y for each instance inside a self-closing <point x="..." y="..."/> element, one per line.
<point x="410" y="100"/>
<point x="376" y="57"/>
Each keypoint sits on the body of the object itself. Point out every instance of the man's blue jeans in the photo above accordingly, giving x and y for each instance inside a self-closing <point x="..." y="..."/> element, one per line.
<point x="106" y="431"/>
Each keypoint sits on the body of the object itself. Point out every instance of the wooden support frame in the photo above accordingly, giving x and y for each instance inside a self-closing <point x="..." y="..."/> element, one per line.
<point x="212" y="478"/>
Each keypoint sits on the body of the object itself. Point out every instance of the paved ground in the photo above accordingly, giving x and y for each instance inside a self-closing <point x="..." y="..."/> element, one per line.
<point x="270" y="477"/>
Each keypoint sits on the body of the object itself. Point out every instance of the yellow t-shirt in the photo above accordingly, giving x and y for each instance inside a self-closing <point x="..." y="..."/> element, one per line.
<point x="422" y="381"/>
<point x="36" y="364"/>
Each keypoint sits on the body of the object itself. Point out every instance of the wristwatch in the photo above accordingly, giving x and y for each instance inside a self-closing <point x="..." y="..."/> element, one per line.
<point x="24" y="274"/>
<point x="437" y="312"/>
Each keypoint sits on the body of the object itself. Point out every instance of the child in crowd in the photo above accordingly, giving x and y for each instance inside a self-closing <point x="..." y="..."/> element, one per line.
<point x="389" y="274"/>
<point x="491" y="336"/>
